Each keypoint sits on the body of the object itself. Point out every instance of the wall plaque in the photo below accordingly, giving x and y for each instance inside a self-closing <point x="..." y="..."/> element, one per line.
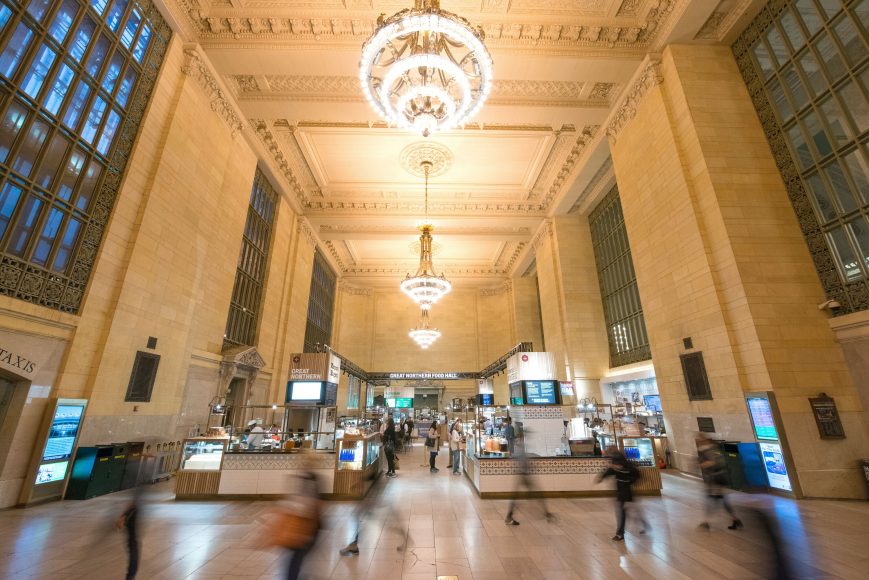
<point x="827" y="417"/>
<point x="705" y="425"/>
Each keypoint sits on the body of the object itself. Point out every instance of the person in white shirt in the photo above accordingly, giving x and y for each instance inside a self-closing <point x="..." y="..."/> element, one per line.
<point x="457" y="445"/>
<point x="255" y="439"/>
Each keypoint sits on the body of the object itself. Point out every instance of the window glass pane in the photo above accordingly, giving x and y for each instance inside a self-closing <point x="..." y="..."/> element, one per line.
<point x="15" y="49"/>
<point x="88" y="185"/>
<point x="46" y="237"/>
<point x="841" y="189"/>
<point x="98" y="55"/>
<point x="109" y="130"/>
<point x="9" y="128"/>
<point x="131" y="27"/>
<point x="777" y="47"/>
<point x="830" y="7"/>
<point x="23" y="228"/>
<point x="780" y="103"/>
<point x="861" y="12"/>
<point x="116" y="12"/>
<point x="113" y="71"/>
<point x="816" y="132"/>
<point x="821" y="197"/>
<point x="38" y="71"/>
<point x="82" y="38"/>
<point x="835" y="66"/>
<point x="67" y="243"/>
<point x="33" y="140"/>
<point x="795" y="87"/>
<point x="813" y="73"/>
<point x="857" y="167"/>
<point x="855" y="50"/>
<point x="93" y="120"/>
<point x="70" y="174"/>
<point x="63" y="21"/>
<point x="847" y="260"/>
<point x="9" y="196"/>
<point x="99" y="5"/>
<point x="62" y="81"/>
<point x="142" y="43"/>
<point x="38" y="8"/>
<point x="54" y="155"/>
<point x="5" y="13"/>
<point x="855" y="101"/>
<point x="860" y="231"/>
<point x="800" y="147"/>
<point x="126" y="87"/>
<point x="809" y="15"/>
<point x="792" y="30"/>
<point x="76" y="105"/>
<point x="836" y="121"/>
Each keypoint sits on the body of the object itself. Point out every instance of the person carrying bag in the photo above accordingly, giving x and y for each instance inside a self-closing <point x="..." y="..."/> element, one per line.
<point x="295" y="522"/>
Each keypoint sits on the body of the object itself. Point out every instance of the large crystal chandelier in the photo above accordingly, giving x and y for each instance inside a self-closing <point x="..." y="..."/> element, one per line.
<point x="425" y="69"/>
<point x="422" y="334"/>
<point x="425" y="287"/>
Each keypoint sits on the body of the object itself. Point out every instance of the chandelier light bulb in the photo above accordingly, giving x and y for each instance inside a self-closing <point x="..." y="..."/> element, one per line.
<point x="423" y="335"/>
<point x="425" y="69"/>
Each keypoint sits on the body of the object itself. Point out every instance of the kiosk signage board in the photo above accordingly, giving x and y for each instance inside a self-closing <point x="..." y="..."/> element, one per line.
<point x="541" y="393"/>
<point x="531" y="366"/>
<point x="774" y="465"/>
<point x="762" y="419"/>
<point x="403" y="403"/>
<point x="63" y="432"/>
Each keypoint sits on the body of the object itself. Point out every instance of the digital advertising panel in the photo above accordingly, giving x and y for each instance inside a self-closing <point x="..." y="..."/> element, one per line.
<point x="774" y="465"/>
<point x="62" y="433"/>
<point x="762" y="418"/>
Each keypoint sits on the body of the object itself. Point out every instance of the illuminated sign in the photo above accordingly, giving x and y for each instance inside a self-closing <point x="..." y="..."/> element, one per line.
<point x="50" y="472"/>
<point x="62" y="433"/>
<point x="762" y="419"/>
<point x="403" y="403"/>
<point x="540" y="393"/>
<point x="774" y="465"/>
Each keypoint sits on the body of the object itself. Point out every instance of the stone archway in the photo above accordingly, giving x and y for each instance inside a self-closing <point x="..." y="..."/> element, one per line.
<point x="238" y="370"/>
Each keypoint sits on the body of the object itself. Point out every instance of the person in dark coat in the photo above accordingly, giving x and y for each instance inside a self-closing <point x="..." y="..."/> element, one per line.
<point x="129" y="521"/>
<point x="389" y="445"/>
<point x="625" y="474"/>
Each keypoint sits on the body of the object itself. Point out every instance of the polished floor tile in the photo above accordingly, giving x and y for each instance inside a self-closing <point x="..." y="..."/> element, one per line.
<point x="424" y="525"/>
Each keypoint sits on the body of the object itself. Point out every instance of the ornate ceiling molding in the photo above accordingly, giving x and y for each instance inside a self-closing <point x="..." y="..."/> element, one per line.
<point x="327" y="229"/>
<point x="545" y="232"/>
<point x="196" y="68"/>
<point x="585" y="137"/>
<point x="603" y="179"/>
<point x="629" y="8"/>
<point x="520" y="247"/>
<point x="722" y="19"/>
<point x="334" y="252"/>
<point x="412" y="156"/>
<point x="346" y="89"/>
<point x="347" y="288"/>
<point x="304" y="227"/>
<point x="438" y="208"/>
<point x="262" y="131"/>
<point x="627" y="32"/>
<point x="505" y="288"/>
<point x="651" y="76"/>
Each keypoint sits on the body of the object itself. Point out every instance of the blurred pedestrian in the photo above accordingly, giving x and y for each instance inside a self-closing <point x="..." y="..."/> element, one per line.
<point x="457" y="445"/>
<point x="625" y="474"/>
<point x="365" y="508"/>
<point x="510" y="435"/>
<point x="525" y="482"/>
<point x="714" y="471"/>
<point x="389" y="445"/>
<point x="130" y="520"/>
<point x="295" y="523"/>
<point x="432" y="441"/>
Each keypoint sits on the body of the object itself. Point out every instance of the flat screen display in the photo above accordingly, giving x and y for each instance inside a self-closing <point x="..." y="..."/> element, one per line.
<point x="632" y="453"/>
<point x="50" y="472"/>
<point x="761" y="418"/>
<point x="516" y="396"/>
<point x="404" y="403"/>
<point x="486" y="399"/>
<point x="652" y="402"/>
<point x="774" y="465"/>
<point x="347" y="454"/>
<point x="540" y="393"/>
<point x="390" y="402"/>
<point x="306" y="391"/>
<point x="63" y="431"/>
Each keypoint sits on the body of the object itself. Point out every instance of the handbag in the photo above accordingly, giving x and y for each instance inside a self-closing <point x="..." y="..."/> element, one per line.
<point x="429" y="442"/>
<point x="288" y="529"/>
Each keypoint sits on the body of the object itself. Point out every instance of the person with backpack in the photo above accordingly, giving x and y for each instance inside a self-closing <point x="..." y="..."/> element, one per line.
<point x="714" y="471"/>
<point x="625" y="474"/>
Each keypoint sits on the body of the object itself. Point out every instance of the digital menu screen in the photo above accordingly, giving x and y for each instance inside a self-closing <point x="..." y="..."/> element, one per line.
<point x="486" y="399"/>
<point x="50" y="472"/>
<point x="516" y="397"/>
<point x="774" y="465"/>
<point x="761" y="417"/>
<point x="540" y="393"/>
<point x="652" y="402"/>
<point x="63" y="431"/>
<point x="403" y="403"/>
<point x="305" y="391"/>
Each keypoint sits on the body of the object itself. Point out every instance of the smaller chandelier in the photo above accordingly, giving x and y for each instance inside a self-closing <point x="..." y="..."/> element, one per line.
<point x="425" y="69"/>
<point x="426" y="287"/>
<point x="423" y="335"/>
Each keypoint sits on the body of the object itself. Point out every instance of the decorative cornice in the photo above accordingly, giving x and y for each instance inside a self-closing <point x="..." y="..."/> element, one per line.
<point x="516" y="253"/>
<point x="344" y="286"/>
<point x="629" y="8"/>
<point x="261" y="128"/>
<point x="505" y="288"/>
<point x="194" y="66"/>
<point x="545" y="232"/>
<point x="304" y="228"/>
<point x="722" y="19"/>
<point x="332" y="250"/>
<point x="650" y="77"/>
<point x="495" y="208"/>
<point x="602" y="179"/>
<point x="567" y="167"/>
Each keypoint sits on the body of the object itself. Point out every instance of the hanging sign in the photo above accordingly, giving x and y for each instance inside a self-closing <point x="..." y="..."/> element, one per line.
<point x="531" y="366"/>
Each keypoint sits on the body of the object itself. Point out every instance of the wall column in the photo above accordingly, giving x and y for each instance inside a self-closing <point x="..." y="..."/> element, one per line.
<point x="720" y="258"/>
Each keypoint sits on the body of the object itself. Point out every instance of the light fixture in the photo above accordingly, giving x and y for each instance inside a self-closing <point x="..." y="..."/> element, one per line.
<point x="425" y="287"/>
<point x="423" y="334"/>
<point x="425" y="69"/>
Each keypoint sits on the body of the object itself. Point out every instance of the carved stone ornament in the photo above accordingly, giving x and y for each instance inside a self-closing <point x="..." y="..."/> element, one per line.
<point x="344" y="286"/>
<point x="545" y="232"/>
<point x="304" y="228"/>
<point x="239" y="362"/>
<point x="262" y="131"/>
<point x="505" y="288"/>
<point x="627" y="109"/>
<point x="412" y="157"/>
<point x="194" y="66"/>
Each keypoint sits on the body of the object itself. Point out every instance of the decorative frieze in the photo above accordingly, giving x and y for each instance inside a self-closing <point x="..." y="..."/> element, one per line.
<point x="347" y="288"/>
<point x="569" y="164"/>
<point x="195" y="67"/>
<point x="545" y="232"/>
<point x="651" y="76"/>
<point x="262" y="131"/>
<point x="304" y="228"/>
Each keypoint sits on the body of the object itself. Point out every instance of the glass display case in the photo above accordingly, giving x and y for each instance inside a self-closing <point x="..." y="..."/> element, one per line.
<point x="486" y="436"/>
<point x="355" y="453"/>
<point x="203" y="453"/>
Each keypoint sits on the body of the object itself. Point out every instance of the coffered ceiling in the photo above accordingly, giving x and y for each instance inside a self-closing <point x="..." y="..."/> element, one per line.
<point x="289" y="68"/>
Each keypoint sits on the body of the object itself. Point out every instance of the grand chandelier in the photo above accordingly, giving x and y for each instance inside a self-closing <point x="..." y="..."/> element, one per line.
<point x="426" y="287"/>
<point x="422" y="334"/>
<point x="425" y="69"/>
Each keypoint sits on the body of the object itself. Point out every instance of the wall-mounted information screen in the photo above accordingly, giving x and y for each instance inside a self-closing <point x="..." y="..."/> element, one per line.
<point x="403" y="403"/>
<point x="49" y="472"/>
<point x="62" y="433"/>
<point x="541" y="393"/>
<point x="762" y="418"/>
<point x="306" y="391"/>
<point x="774" y="465"/>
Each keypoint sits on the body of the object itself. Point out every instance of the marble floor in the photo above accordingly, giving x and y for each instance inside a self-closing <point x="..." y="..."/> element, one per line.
<point x="449" y="532"/>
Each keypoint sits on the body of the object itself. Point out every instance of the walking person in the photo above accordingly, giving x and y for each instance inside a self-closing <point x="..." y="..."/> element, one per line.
<point x="714" y="472"/>
<point x="129" y="520"/>
<point x="433" y="443"/>
<point x="389" y="446"/>
<point x="295" y="522"/>
<point x="450" y="441"/>
<point x="526" y="482"/>
<point x="457" y="445"/>
<point x="625" y="474"/>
